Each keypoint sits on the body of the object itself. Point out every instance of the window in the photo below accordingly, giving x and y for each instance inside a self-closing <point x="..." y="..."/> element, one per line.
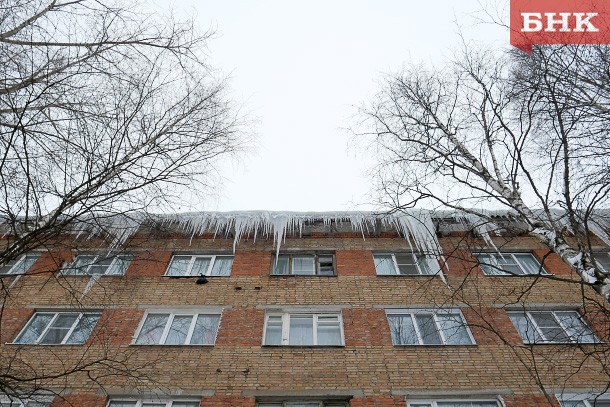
<point x="303" y="329"/>
<point x="6" y="401"/>
<point x="509" y="264"/>
<point x="409" y="264"/>
<point x="20" y="265"/>
<point x="58" y="328"/>
<point x="428" y="327"/>
<point x="178" y="329"/>
<point x="208" y="265"/>
<point x="552" y="327"/>
<point x="153" y="403"/>
<point x="584" y="400"/>
<point x="453" y="403"/>
<point x="586" y="403"/>
<point x="304" y="403"/>
<point x="97" y="264"/>
<point x="603" y="260"/>
<point x="304" y="265"/>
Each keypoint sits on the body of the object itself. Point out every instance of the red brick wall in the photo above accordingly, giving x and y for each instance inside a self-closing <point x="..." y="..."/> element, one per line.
<point x="116" y="326"/>
<point x="530" y="401"/>
<point x="241" y="327"/>
<point x="366" y="327"/>
<point x="488" y="325"/>
<point x="552" y="262"/>
<point x="79" y="400"/>
<point x="11" y="322"/>
<point x="51" y="261"/>
<point x="250" y="263"/>
<point x="355" y="263"/>
<point x="378" y="401"/>
<point x="228" y="401"/>
<point x="147" y="264"/>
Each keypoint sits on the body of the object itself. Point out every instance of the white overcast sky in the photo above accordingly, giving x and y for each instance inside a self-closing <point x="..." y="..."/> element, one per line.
<point x="300" y="69"/>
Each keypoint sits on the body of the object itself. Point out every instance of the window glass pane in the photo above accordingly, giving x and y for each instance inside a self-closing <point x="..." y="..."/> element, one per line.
<point x="601" y="404"/>
<point x="526" y="328"/>
<point x="119" y="265"/>
<point x="384" y="265"/>
<point x="178" y="266"/>
<point x="406" y="264"/>
<point x="325" y="266"/>
<point x="427" y="329"/>
<point x="185" y="404"/>
<point x="550" y="327"/>
<point x="454" y="329"/>
<point x="151" y="331"/>
<point x="36" y="404"/>
<point x="573" y="404"/>
<point x="402" y="329"/>
<point x="222" y="266"/>
<point x="154" y="404"/>
<point x="205" y="330"/>
<point x="59" y="328"/>
<point x="200" y="266"/>
<point x="302" y="404"/>
<point x="303" y="265"/>
<point x="423" y="263"/>
<point x="178" y="330"/>
<point x="100" y="266"/>
<point x="281" y="265"/>
<point x="122" y="404"/>
<point x="329" y="330"/>
<point x="489" y="265"/>
<point x="575" y="326"/>
<point x="420" y="405"/>
<point x="603" y="260"/>
<point x="273" y="333"/>
<point x="21" y="265"/>
<point x="301" y="330"/>
<point x="507" y="263"/>
<point x="80" y="264"/>
<point x="35" y="328"/>
<point x="83" y="329"/>
<point x="529" y="263"/>
<point x="269" y="404"/>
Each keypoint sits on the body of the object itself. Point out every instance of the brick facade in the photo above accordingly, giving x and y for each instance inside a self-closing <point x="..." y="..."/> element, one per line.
<point x="368" y="370"/>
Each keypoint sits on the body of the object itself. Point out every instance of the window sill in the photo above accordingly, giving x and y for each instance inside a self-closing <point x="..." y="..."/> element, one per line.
<point x="197" y="276"/>
<point x="471" y="345"/>
<point x="172" y="346"/>
<point x="562" y="343"/>
<point x="519" y="275"/>
<point x="303" y="346"/>
<point x="44" y="344"/>
<point x="408" y="275"/>
<point x="303" y="275"/>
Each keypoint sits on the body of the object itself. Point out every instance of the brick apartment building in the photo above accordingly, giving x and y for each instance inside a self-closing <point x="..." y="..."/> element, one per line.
<point x="340" y="314"/>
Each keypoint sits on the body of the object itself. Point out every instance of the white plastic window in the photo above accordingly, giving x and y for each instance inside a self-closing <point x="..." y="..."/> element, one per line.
<point x="153" y="403"/>
<point x="196" y="265"/>
<point x="6" y="401"/>
<point x="97" y="264"/>
<point x="404" y="264"/>
<point x="552" y="327"/>
<point x="178" y="329"/>
<point x="303" y="329"/>
<point x="509" y="264"/>
<point x="304" y="265"/>
<point x="58" y="328"/>
<point x="428" y="327"/>
<point x="20" y="265"/>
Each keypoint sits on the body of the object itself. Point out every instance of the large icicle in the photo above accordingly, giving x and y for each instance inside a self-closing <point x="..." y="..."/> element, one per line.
<point x="416" y="226"/>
